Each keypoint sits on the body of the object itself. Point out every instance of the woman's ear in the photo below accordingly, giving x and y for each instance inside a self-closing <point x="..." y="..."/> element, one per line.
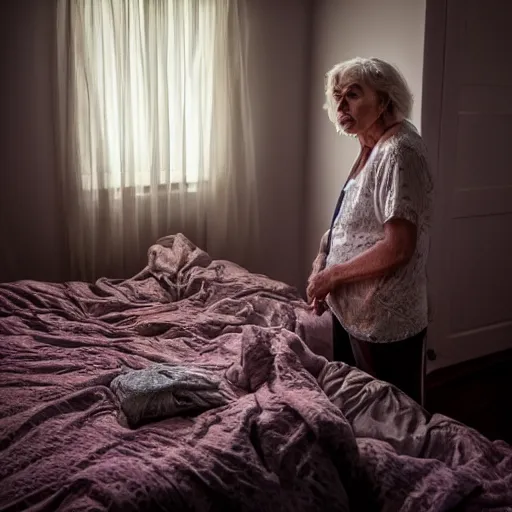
<point x="386" y="106"/>
<point x="384" y="102"/>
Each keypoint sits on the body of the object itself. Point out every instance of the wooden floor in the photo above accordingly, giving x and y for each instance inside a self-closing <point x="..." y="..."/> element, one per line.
<point x="477" y="393"/>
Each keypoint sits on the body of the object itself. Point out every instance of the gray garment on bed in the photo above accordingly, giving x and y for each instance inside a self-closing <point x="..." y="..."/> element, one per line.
<point x="163" y="390"/>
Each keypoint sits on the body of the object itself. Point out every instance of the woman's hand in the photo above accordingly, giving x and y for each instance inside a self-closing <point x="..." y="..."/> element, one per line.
<point x="321" y="285"/>
<point x="318" y="266"/>
<point x="319" y="307"/>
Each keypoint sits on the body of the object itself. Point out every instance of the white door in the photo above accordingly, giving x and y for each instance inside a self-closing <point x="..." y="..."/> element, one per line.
<point x="471" y="254"/>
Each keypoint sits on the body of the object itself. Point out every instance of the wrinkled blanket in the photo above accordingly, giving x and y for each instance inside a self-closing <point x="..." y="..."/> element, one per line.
<point x="299" y="434"/>
<point x="416" y="461"/>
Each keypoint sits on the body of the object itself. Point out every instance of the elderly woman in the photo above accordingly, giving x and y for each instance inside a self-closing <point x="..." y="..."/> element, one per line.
<point x="371" y="267"/>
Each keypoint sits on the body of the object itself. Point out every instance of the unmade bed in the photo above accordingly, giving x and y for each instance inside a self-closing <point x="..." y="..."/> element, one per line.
<point x="296" y="432"/>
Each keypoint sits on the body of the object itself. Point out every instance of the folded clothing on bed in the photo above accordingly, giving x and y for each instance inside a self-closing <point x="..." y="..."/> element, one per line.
<point x="164" y="390"/>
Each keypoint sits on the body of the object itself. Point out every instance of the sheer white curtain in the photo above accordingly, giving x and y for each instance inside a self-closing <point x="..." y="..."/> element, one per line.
<point x="154" y="130"/>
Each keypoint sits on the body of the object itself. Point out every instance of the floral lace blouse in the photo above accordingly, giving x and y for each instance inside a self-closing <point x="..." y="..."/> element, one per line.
<point x="394" y="183"/>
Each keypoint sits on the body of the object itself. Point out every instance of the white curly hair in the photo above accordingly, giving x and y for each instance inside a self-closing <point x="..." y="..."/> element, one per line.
<point x="381" y="76"/>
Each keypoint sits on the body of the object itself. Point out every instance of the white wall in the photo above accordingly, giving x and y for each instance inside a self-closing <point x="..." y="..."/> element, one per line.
<point x="31" y="238"/>
<point x="279" y="59"/>
<point x="392" y="30"/>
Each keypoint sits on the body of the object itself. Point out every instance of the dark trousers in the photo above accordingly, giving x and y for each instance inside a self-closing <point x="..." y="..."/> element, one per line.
<point x="401" y="363"/>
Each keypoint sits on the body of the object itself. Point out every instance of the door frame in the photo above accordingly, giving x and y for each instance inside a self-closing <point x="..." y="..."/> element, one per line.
<point x="431" y="116"/>
<point x="448" y="350"/>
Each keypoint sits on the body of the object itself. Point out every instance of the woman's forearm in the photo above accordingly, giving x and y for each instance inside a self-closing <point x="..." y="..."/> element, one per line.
<point x="319" y="263"/>
<point x="323" y="243"/>
<point x="378" y="261"/>
<point x="321" y="258"/>
<point x="395" y="250"/>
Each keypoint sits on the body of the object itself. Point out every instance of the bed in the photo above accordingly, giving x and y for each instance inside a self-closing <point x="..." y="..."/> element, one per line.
<point x="299" y="433"/>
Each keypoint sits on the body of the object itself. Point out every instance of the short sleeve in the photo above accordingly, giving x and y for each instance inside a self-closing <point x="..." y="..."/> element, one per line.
<point x="402" y="186"/>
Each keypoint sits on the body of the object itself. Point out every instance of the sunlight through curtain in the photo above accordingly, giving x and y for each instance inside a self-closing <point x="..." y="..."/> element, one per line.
<point x="155" y="132"/>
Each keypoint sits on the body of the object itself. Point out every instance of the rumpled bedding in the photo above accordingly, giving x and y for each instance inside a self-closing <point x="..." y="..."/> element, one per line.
<point x="298" y="433"/>
<point x="415" y="460"/>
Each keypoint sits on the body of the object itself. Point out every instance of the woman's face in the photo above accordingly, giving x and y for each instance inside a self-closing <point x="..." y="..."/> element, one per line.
<point x="358" y="107"/>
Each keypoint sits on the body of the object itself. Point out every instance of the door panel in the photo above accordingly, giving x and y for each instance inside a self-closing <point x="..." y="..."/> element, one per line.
<point x="471" y="255"/>
<point x="483" y="146"/>
<point x="486" y="43"/>
<point x="482" y="289"/>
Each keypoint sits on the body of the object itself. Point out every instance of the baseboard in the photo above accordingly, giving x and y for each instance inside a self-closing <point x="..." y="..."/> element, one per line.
<point x="471" y="345"/>
<point x="480" y="366"/>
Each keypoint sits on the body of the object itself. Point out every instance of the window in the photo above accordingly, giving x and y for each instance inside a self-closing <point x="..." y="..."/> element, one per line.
<point x="144" y="90"/>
